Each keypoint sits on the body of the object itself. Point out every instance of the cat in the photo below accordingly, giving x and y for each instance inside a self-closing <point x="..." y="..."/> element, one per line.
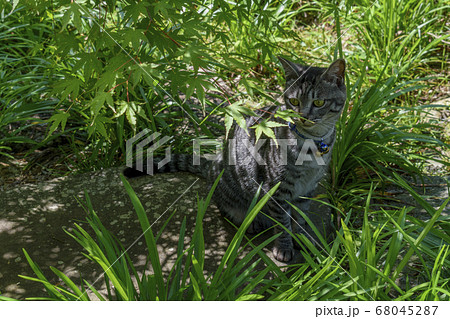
<point x="318" y="95"/>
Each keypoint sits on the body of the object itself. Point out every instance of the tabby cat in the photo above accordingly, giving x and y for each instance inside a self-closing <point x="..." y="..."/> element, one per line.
<point x="318" y="95"/>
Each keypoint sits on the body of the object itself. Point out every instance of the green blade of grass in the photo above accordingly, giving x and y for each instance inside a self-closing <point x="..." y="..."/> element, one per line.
<point x="78" y="294"/>
<point x="49" y="287"/>
<point x="234" y="245"/>
<point x="419" y="239"/>
<point x="149" y="238"/>
<point x="177" y="268"/>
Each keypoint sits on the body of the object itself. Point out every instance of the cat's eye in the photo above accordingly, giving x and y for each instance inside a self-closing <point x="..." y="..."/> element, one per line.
<point x="294" y="102"/>
<point x="318" y="103"/>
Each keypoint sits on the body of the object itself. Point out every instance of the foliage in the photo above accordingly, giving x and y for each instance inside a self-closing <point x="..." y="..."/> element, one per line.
<point x="366" y="263"/>
<point x="119" y="61"/>
<point x="186" y="280"/>
<point x="23" y="79"/>
<point x="401" y="35"/>
<point x="98" y="72"/>
<point x="377" y="137"/>
<point x="104" y="71"/>
<point x="358" y="265"/>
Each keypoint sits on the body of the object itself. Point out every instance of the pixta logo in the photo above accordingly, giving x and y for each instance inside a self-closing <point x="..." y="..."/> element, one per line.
<point x="142" y="140"/>
<point x="142" y="146"/>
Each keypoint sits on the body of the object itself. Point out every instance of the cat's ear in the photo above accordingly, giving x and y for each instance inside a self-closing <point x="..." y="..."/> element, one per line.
<point x="291" y="69"/>
<point x="335" y="72"/>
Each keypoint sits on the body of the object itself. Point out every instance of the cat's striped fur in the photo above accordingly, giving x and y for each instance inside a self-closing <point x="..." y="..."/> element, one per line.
<point x="242" y="177"/>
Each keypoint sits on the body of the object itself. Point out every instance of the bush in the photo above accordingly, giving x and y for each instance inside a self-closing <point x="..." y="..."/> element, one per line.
<point x="98" y="72"/>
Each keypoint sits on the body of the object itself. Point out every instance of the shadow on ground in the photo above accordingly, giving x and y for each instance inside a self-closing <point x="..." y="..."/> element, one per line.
<point x="34" y="217"/>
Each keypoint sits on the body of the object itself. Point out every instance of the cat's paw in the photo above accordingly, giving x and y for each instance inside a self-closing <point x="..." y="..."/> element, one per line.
<point x="283" y="254"/>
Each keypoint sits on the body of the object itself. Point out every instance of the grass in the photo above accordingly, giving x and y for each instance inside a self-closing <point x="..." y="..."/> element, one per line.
<point x="394" y="74"/>
<point x="370" y="263"/>
<point x="239" y="47"/>
<point x="234" y="279"/>
<point x="377" y="137"/>
<point x="23" y="80"/>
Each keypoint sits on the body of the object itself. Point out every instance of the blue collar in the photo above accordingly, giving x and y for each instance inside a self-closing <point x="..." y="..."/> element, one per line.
<point x="322" y="147"/>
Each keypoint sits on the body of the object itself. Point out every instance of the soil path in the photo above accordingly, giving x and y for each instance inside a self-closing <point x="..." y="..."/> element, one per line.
<point x="34" y="216"/>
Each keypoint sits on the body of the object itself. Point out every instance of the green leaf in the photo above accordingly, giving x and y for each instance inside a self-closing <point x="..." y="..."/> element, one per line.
<point x="265" y="127"/>
<point x="200" y="92"/>
<point x="197" y="292"/>
<point x="228" y="124"/>
<point x="73" y="13"/>
<point x="135" y="10"/>
<point x="149" y="238"/>
<point x="69" y="86"/>
<point x="162" y="7"/>
<point x="250" y="297"/>
<point x="79" y="294"/>
<point x="287" y="115"/>
<point x="231" y="252"/>
<point x="57" y="119"/>
<point x="134" y="37"/>
<point x="237" y="111"/>
<point x="416" y="244"/>
<point x="50" y="288"/>
<point x="98" y="125"/>
<point x="121" y="108"/>
<point x="99" y="101"/>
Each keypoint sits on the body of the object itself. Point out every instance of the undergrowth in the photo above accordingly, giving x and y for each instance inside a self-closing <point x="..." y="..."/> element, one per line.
<point x="370" y="263"/>
<point x="97" y="74"/>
